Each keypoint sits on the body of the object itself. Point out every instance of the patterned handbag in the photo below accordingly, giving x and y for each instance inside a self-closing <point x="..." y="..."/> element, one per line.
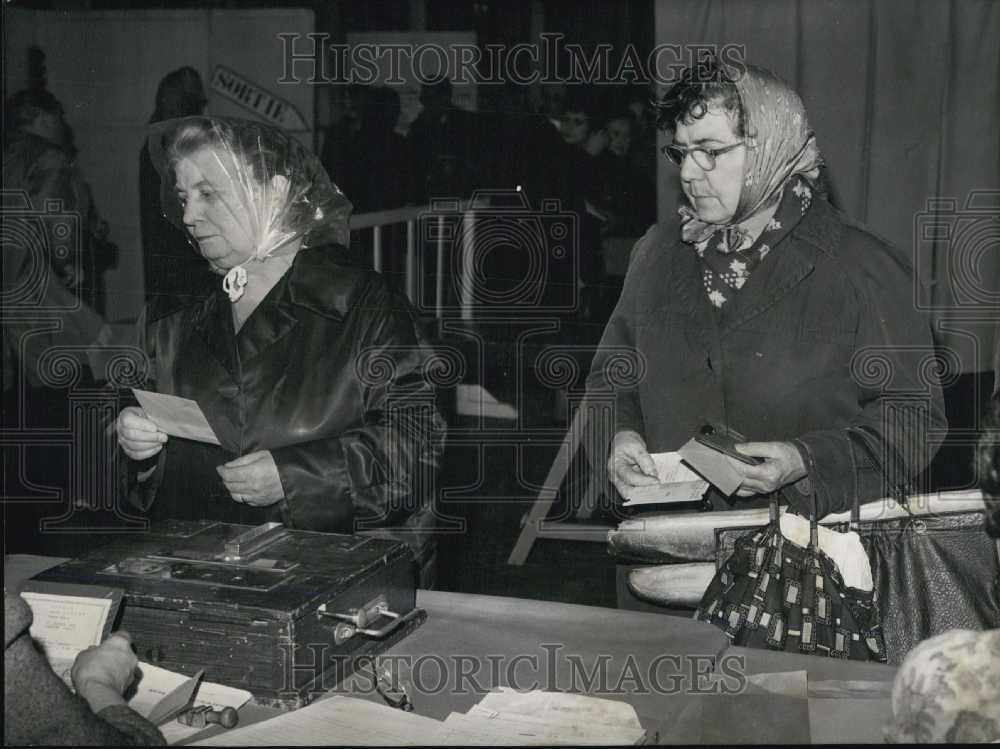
<point x="773" y="593"/>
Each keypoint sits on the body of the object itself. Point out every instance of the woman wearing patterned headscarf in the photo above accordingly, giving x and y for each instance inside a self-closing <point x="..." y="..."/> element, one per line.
<point x="773" y="315"/>
<point x="310" y="373"/>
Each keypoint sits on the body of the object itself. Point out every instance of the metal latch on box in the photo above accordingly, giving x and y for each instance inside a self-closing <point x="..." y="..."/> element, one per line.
<point x="355" y="621"/>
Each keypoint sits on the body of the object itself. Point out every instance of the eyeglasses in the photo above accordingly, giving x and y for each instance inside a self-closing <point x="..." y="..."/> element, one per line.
<point x="703" y="157"/>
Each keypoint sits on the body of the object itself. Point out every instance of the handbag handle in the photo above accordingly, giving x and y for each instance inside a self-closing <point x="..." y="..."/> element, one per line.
<point x="813" y="510"/>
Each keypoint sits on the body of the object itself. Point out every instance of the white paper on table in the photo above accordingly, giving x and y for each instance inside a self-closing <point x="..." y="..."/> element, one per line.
<point x="785" y="683"/>
<point x="178" y="417"/>
<point x="477" y="729"/>
<point x="66" y="625"/>
<point x="678" y="483"/>
<point x="156" y="683"/>
<point x="508" y="717"/>
<point x="557" y="707"/>
<point x="339" y="720"/>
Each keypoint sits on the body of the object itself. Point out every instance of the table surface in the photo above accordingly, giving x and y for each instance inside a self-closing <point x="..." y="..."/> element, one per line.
<point x="659" y="664"/>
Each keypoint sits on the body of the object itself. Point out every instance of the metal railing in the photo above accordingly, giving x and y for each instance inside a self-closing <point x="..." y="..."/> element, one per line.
<point x="412" y="216"/>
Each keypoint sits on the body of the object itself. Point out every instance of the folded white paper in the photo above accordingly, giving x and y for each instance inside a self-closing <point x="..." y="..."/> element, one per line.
<point x="677" y="483"/>
<point x="178" y="417"/>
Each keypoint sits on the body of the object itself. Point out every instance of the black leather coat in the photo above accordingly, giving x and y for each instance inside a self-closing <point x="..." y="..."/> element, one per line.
<point x="328" y="373"/>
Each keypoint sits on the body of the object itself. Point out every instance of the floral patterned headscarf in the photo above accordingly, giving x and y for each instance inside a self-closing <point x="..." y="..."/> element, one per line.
<point x="779" y="146"/>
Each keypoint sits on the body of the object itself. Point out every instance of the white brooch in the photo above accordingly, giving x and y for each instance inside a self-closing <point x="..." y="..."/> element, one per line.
<point x="234" y="282"/>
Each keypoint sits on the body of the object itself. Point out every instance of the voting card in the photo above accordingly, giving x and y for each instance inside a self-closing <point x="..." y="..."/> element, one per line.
<point x="677" y="483"/>
<point x="178" y="417"/>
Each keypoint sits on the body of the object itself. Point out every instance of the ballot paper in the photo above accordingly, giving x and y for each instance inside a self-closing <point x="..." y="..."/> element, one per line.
<point x="65" y="624"/>
<point x="155" y="683"/>
<point x="505" y="718"/>
<point x="178" y="417"/>
<point x="335" y="721"/>
<point x="677" y="483"/>
<point x="511" y="718"/>
<point x="712" y="465"/>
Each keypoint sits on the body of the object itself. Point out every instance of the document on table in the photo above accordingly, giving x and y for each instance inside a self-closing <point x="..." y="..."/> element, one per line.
<point x="511" y="718"/>
<point x="678" y="483"/>
<point x="64" y="624"/>
<point x="178" y="417"/>
<point x="338" y="720"/>
<point x="505" y="718"/>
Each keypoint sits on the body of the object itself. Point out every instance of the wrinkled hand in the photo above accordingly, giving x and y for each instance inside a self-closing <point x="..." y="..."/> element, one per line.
<point x="629" y="463"/>
<point x="253" y="479"/>
<point x="782" y="466"/>
<point x="138" y="436"/>
<point x="110" y="665"/>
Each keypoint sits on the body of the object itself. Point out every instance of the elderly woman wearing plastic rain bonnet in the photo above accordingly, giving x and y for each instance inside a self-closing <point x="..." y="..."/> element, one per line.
<point x="280" y="356"/>
<point x="760" y="316"/>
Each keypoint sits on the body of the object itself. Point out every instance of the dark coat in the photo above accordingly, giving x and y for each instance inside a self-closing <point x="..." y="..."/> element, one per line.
<point x="40" y="709"/>
<point x="327" y="373"/>
<point x="824" y="334"/>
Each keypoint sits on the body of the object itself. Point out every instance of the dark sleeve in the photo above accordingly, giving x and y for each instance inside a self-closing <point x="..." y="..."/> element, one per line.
<point x="40" y="709"/>
<point x="897" y="386"/>
<point x="618" y="366"/>
<point x="381" y="471"/>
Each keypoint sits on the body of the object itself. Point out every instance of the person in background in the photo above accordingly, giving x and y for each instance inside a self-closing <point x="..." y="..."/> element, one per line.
<point x="171" y="266"/>
<point x="340" y="138"/>
<point x="445" y="148"/>
<point x="579" y="183"/>
<point x="50" y="282"/>
<point x="640" y="100"/>
<point x="624" y="194"/>
<point x="39" y="160"/>
<point x="367" y="166"/>
<point x="40" y="709"/>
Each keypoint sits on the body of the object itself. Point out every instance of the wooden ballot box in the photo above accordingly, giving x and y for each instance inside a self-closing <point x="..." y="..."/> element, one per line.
<point x="282" y="613"/>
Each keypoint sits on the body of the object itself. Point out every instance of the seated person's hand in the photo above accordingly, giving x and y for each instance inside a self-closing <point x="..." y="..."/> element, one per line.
<point x="253" y="479"/>
<point x="782" y="465"/>
<point x="630" y="463"/>
<point x="102" y="673"/>
<point x="138" y="436"/>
